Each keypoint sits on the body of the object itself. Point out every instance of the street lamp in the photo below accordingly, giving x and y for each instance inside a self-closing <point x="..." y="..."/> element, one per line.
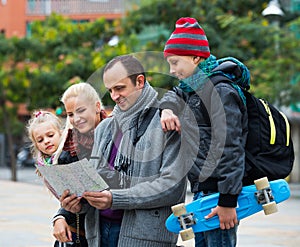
<point x="273" y="12"/>
<point x="273" y="9"/>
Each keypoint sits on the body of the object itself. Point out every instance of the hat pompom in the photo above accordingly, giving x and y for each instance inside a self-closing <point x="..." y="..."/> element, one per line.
<point x="188" y="39"/>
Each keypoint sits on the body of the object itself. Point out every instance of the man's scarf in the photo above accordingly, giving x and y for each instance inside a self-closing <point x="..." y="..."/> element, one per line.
<point x="127" y="122"/>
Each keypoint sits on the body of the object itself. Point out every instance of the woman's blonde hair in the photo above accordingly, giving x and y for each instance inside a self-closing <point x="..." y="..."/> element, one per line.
<point x="79" y="89"/>
<point x="76" y="90"/>
<point x="36" y="119"/>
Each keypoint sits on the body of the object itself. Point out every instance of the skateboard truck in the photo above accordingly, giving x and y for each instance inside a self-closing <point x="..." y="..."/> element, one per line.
<point x="186" y="220"/>
<point x="264" y="196"/>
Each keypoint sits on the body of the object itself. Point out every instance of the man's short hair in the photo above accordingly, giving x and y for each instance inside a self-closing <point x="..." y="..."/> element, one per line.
<point x="131" y="64"/>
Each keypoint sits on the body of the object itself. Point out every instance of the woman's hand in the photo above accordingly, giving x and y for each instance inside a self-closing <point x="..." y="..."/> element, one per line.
<point x="69" y="202"/>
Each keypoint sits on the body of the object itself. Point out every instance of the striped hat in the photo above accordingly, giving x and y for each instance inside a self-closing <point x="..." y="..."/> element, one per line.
<point x="188" y="39"/>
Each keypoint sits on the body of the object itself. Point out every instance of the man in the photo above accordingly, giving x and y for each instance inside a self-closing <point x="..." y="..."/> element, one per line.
<point x="134" y="155"/>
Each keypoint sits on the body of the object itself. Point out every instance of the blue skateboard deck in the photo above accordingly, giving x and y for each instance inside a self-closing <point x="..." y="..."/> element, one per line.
<point x="250" y="201"/>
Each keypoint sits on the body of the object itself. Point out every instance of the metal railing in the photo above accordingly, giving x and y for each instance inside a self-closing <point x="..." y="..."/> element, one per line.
<point x="46" y="7"/>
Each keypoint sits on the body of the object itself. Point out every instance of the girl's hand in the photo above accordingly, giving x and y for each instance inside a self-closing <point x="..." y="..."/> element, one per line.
<point x="61" y="231"/>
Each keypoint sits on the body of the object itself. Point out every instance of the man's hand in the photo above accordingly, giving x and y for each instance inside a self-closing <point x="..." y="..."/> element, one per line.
<point x="227" y="217"/>
<point x="100" y="200"/>
<point x="70" y="202"/>
<point x="169" y="121"/>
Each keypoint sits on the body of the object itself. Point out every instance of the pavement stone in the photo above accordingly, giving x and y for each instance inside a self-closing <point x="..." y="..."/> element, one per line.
<point x="26" y="209"/>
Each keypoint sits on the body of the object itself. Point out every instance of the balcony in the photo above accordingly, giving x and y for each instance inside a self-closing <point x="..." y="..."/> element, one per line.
<point x="74" y="7"/>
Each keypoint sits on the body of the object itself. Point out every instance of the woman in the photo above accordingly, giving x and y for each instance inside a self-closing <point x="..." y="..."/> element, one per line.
<point x="84" y="112"/>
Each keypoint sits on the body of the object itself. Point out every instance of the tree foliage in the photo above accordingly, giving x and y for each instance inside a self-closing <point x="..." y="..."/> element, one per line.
<point x="36" y="70"/>
<point x="238" y="29"/>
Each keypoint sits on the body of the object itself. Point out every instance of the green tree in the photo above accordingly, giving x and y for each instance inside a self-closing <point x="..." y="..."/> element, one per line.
<point x="36" y="70"/>
<point x="234" y="28"/>
<point x="8" y="116"/>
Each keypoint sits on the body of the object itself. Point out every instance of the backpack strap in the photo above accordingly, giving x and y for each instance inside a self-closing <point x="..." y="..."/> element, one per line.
<point x="288" y="128"/>
<point x="271" y="120"/>
<point x="216" y="79"/>
<point x="144" y="125"/>
<point x="272" y="124"/>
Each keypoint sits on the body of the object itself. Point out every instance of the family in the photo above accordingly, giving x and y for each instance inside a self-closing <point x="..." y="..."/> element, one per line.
<point x="148" y="148"/>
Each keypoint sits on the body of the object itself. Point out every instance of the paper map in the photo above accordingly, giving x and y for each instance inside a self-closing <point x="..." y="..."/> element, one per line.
<point x="77" y="177"/>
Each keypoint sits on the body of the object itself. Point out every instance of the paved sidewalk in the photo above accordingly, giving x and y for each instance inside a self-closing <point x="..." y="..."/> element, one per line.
<point x="25" y="214"/>
<point x="26" y="208"/>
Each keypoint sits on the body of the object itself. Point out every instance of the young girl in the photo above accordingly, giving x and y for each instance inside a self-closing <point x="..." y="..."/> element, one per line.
<point x="44" y="130"/>
<point x="84" y="112"/>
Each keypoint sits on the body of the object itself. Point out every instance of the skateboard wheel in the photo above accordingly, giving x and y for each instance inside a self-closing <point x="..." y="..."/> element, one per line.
<point x="187" y="234"/>
<point x="270" y="208"/>
<point x="262" y="183"/>
<point x="179" y="209"/>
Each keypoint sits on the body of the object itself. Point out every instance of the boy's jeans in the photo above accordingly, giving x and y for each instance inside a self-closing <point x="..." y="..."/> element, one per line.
<point x="216" y="237"/>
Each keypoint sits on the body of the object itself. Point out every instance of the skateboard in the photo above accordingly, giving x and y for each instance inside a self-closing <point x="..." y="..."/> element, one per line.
<point x="262" y="195"/>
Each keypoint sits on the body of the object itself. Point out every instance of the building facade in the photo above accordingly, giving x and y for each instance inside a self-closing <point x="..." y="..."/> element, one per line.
<point x="16" y="15"/>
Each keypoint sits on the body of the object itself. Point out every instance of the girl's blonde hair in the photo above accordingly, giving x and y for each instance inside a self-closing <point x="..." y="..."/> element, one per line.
<point x="36" y="119"/>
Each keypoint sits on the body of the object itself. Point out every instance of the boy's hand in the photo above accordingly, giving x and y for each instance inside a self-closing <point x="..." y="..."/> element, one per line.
<point x="169" y="121"/>
<point x="227" y="217"/>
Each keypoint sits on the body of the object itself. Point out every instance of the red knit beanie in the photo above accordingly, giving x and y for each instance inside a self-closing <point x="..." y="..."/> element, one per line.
<point x="188" y="39"/>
